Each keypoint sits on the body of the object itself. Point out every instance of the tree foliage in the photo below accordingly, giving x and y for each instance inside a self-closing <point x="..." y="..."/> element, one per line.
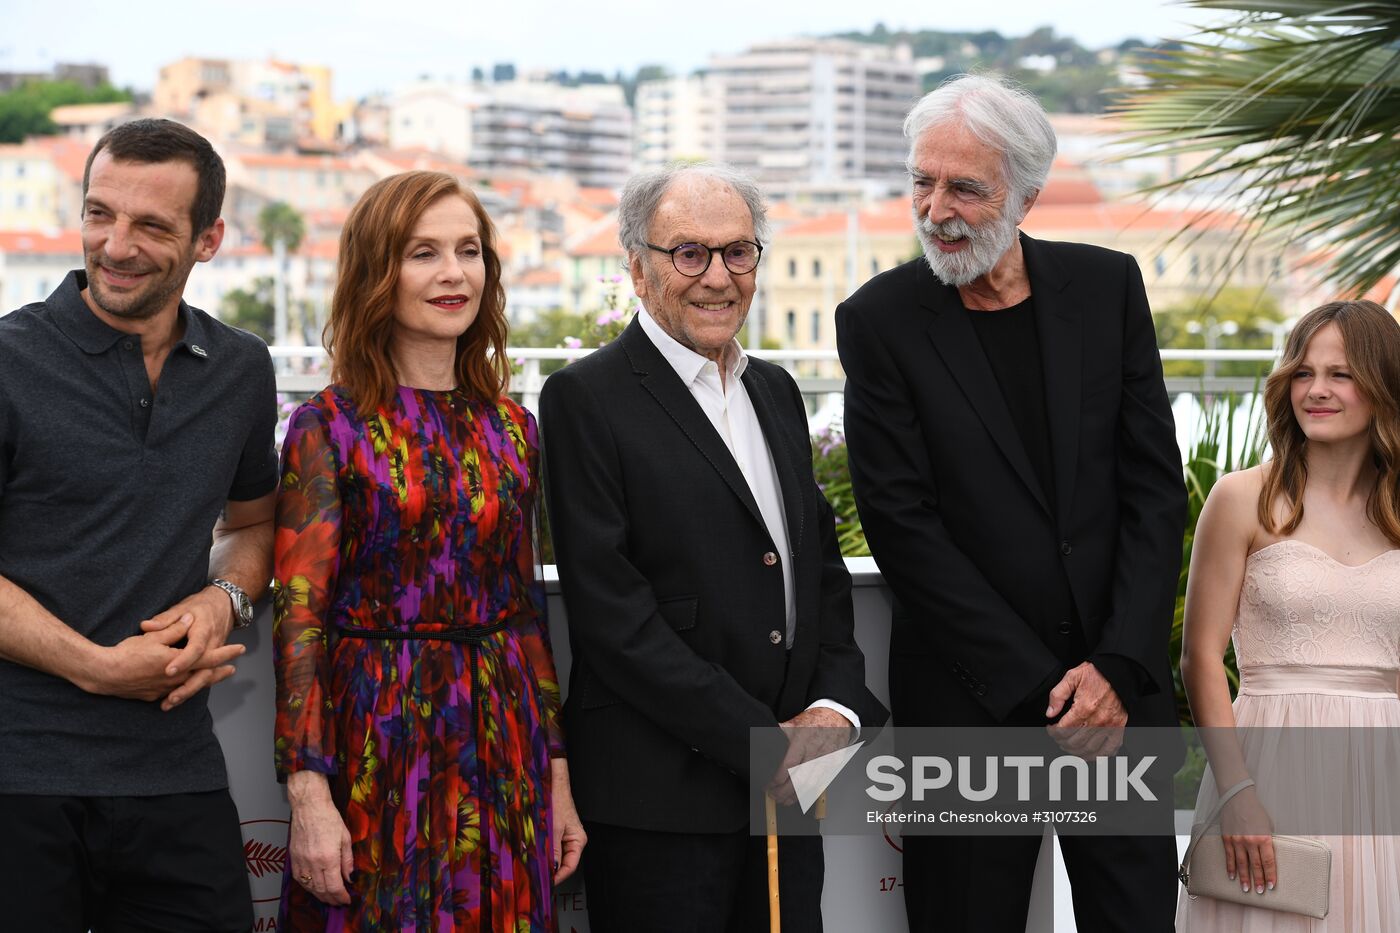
<point x="1297" y="103"/>
<point x="280" y="221"/>
<point x="1077" y="83"/>
<point x="250" y="308"/>
<point x="1252" y="314"/>
<point x="25" y="110"/>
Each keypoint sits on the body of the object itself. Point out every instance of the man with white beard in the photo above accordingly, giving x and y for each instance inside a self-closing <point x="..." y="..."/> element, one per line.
<point x="1016" y="469"/>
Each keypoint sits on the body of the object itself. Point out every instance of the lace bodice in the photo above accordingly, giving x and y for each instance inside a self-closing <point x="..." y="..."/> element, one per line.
<point x="1300" y="606"/>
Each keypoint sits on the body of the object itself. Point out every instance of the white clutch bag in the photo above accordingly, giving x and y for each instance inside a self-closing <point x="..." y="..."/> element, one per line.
<point x="1304" y="870"/>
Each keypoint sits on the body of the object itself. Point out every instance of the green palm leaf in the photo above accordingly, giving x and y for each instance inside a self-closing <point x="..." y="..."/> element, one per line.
<point x="1295" y="106"/>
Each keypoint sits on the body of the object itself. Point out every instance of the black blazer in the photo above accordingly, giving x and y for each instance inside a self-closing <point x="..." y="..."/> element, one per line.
<point x="673" y="593"/>
<point x="953" y="511"/>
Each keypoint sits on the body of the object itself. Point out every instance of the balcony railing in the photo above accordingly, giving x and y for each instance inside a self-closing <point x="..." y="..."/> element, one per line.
<point x="301" y="370"/>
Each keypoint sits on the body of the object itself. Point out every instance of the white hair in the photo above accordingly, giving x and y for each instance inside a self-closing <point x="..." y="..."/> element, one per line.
<point x="644" y="191"/>
<point x="1001" y="114"/>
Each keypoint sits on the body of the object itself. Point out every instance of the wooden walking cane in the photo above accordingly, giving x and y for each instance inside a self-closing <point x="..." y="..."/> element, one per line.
<point x="770" y="818"/>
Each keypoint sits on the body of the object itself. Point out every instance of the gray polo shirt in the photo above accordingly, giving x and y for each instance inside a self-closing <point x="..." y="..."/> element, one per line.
<point x="108" y="497"/>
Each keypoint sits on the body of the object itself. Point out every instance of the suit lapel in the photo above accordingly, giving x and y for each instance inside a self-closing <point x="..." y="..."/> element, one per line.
<point x="782" y="452"/>
<point x="957" y="343"/>
<point x="661" y="381"/>
<point x="1061" y="326"/>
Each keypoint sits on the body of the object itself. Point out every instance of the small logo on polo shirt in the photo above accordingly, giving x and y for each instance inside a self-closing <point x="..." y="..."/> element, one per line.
<point x="197" y="350"/>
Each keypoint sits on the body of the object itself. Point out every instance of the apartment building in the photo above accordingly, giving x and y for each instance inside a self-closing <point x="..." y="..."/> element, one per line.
<point x="33" y="263"/>
<point x="28" y="188"/>
<point x="813" y="264"/>
<point x="814" y="111"/>
<point x="253" y="102"/>
<point x="583" y="132"/>
<point x="1177" y="268"/>
<point x="435" y="116"/>
<point x="306" y="182"/>
<point x="675" y="120"/>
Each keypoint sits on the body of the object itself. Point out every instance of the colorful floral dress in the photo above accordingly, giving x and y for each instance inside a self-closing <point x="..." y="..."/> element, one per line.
<point x="413" y="659"/>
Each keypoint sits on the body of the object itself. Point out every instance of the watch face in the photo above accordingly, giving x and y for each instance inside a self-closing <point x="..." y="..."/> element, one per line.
<point x="242" y="607"/>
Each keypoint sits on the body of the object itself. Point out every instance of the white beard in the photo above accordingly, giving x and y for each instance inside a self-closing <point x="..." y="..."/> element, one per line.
<point x="986" y="244"/>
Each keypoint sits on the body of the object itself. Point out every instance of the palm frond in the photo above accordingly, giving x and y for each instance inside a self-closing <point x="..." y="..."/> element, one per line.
<point x="1294" y="106"/>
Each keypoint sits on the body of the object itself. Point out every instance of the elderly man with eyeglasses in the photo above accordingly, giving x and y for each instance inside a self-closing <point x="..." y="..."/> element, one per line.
<point x="705" y="590"/>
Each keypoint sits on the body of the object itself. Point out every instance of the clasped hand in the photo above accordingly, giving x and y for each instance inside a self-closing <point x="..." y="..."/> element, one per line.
<point x="150" y="667"/>
<point x="812" y="733"/>
<point x="1094" y="724"/>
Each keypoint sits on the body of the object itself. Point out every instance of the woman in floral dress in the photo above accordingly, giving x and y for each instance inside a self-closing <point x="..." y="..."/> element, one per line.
<point x="417" y="704"/>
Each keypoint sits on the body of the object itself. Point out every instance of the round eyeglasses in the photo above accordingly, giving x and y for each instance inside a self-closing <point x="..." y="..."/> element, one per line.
<point x="692" y="259"/>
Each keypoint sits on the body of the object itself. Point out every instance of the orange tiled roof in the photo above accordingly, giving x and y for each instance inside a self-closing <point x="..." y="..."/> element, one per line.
<point x="598" y="197"/>
<point x="1380" y="293"/>
<point x="327" y="216"/>
<point x="538" y="277"/>
<point x="27" y="150"/>
<point x="426" y="160"/>
<point x="70" y="156"/>
<point x="601" y="242"/>
<point x="304" y="162"/>
<point x="887" y="218"/>
<point x="582" y="212"/>
<point x="1119" y="216"/>
<point x="508" y="186"/>
<point x="1069" y="188"/>
<point x="33" y="242"/>
<point x="312" y="249"/>
<point x="79" y="114"/>
<point x="321" y="249"/>
<point x="782" y="212"/>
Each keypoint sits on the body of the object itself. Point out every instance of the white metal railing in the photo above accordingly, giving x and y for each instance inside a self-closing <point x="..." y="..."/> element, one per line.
<point x="301" y="370"/>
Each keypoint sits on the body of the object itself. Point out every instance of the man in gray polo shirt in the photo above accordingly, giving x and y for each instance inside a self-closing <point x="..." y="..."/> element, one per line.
<point x="131" y="426"/>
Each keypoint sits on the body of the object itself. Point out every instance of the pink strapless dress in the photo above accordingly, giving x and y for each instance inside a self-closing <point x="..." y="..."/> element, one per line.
<point x="1318" y="644"/>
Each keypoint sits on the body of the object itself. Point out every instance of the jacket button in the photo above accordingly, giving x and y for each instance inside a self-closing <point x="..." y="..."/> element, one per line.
<point x="775" y="637"/>
<point x="770" y="559"/>
<point x="1065" y="628"/>
<point x="1065" y="549"/>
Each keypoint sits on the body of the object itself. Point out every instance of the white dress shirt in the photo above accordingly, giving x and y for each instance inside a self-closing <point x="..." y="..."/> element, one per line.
<point x="726" y="403"/>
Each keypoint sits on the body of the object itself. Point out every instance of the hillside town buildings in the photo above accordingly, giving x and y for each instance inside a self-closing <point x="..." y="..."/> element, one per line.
<point x="817" y="121"/>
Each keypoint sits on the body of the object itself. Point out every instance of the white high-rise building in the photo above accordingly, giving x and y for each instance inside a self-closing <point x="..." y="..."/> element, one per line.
<point x="802" y="112"/>
<point x="675" y="120"/>
<point x="582" y="132"/>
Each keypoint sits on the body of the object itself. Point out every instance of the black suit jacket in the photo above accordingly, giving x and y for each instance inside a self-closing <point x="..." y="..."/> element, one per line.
<point x="672" y="606"/>
<point x="955" y="517"/>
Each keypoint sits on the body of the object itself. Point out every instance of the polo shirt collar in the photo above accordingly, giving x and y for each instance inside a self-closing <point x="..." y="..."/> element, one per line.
<point x="685" y="361"/>
<point x="93" y="335"/>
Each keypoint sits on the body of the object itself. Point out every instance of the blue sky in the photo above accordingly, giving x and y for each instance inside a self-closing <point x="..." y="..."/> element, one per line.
<point x="374" y="45"/>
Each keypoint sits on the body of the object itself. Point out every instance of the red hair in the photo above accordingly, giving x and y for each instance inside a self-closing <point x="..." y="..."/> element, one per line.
<point x="359" y="335"/>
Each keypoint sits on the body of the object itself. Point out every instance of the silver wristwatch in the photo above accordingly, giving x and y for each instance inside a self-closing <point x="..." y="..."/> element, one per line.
<point x="242" y="607"/>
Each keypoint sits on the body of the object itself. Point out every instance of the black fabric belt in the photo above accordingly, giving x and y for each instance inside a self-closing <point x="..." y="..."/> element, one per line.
<point x="468" y="636"/>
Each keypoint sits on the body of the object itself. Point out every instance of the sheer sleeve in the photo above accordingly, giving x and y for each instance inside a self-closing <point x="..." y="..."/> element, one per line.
<point x="306" y="562"/>
<point x="534" y="617"/>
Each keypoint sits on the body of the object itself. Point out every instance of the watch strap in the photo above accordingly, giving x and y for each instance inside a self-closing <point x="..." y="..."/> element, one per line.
<point x="242" y="606"/>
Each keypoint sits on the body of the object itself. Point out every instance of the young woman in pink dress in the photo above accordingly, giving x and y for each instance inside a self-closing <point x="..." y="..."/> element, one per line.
<point x="1298" y="561"/>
